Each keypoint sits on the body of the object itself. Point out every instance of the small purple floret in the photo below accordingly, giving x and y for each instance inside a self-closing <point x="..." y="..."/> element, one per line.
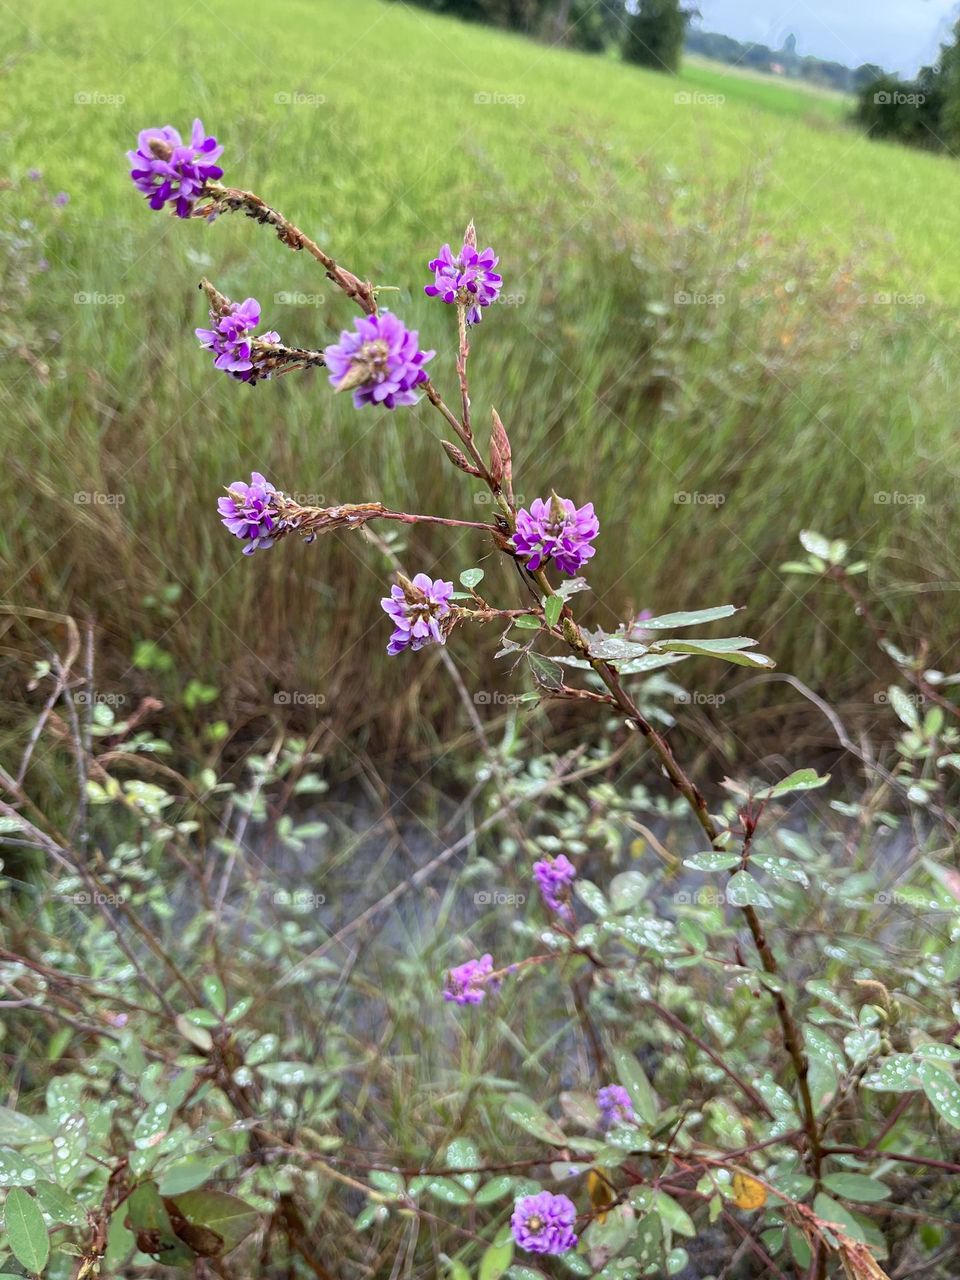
<point x="169" y="171"/>
<point x="248" y="512"/>
<point x="554" y="876"/>
<point x="467" y="983"/>
<point x="469" y="279"/>
<point x="544" y="1223"/>
<point x="615" y="1106"/>
<point x="415" y="609"/>
<point x="232" y="340"/>
<point x="555" y="530"/>
<point x="381" y="363"/>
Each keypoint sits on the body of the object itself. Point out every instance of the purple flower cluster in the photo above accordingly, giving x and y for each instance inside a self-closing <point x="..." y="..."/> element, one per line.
<point x="469" y="279"/>
<point x="554" y="876"/>
<point x="232" y="340"/>
<point x="248" y="512"/>
<point x="556" y="530"/>
<point x="381" y="363"/>
<point x="415" y="609"/>
<point x="467" y="983"/>
<point x="169" y="171"/>
<point x="544" y="1223"/>
<point x="615" y="1106"/>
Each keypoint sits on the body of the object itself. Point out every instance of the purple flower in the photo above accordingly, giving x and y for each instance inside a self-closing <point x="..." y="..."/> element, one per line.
<point x="554" y="877"/>
<point x="415" y="608"/>
<point x="544" y="1223"/>
<point x="469" y="279"/>
<point x="248" y="512"/>
<point x="232" y="340"/>
<point x="381" y="363"/>
<point x="467" y="983"/>
<point x="557" y="531"/>
<point x="61" y="199"/>
<point x="34" y="175"/>
<point x="615" y="1106"/>
<point x="169" y="171"/>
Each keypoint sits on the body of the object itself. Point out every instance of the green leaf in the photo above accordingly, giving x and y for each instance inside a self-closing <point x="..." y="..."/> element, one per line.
<point x="527" y="623"/>
<point x="744" y="891"/>
<point x="523" y="1111"/>
<point x="862" y="1044"/>
<point x="830" y="1211"/>
<point x="546" y="672"/>
<point x="800" y="780"/>
<point x="16" y="1169"/>
<point x="904" y="707"/>
<point x="293" y="1073"/>
<point x="231" y="1218"/>
<point x="449" y="1191"/>
<point x="942" y="1091"/>
<point x="856" y="1186"/>
<point x="497" y="1257"/>
<point x="780" y="868"/>
<point x="214" y="992"/>
<point x="153" y="1126"/>
<point x="17" y="1129"/>
<point x="471" y="578"/>
<point x="59" y="1206"/>
<point x="633" y="1079"/>
<point x="734" y="649"/>
<point x="189" y="1173"/>
<point x="552" y="609"/>
<point x="695" y="618"/>
<point x="816" y="544"/>
<point x="673" y="1215"/>
<point x="894" y="1074"/>
<point x="26" y="1232"/>
<point x="495" y="1189"/>
<point x="712" y="861"/>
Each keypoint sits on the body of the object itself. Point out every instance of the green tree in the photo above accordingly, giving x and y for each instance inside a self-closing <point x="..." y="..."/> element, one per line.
<point x="654" y="34"/>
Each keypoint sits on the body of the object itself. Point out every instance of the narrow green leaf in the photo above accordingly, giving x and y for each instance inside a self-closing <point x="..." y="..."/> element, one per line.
<point x="552" y="609"/>
<point x="26" y="1232"/>
<point x="633" y="1079"/>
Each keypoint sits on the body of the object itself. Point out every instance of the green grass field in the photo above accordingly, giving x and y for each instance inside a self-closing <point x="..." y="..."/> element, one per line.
<point x="613" y="197"/>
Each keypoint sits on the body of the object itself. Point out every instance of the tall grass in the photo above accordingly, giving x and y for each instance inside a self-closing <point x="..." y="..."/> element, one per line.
<point x="795" y="400"/>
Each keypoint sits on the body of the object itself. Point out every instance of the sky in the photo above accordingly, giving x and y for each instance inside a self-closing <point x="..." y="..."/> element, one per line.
<point x="899" y="35"/>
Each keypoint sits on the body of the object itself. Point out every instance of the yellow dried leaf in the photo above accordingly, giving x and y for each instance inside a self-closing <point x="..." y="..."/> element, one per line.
<point x="748" y="1193"/>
